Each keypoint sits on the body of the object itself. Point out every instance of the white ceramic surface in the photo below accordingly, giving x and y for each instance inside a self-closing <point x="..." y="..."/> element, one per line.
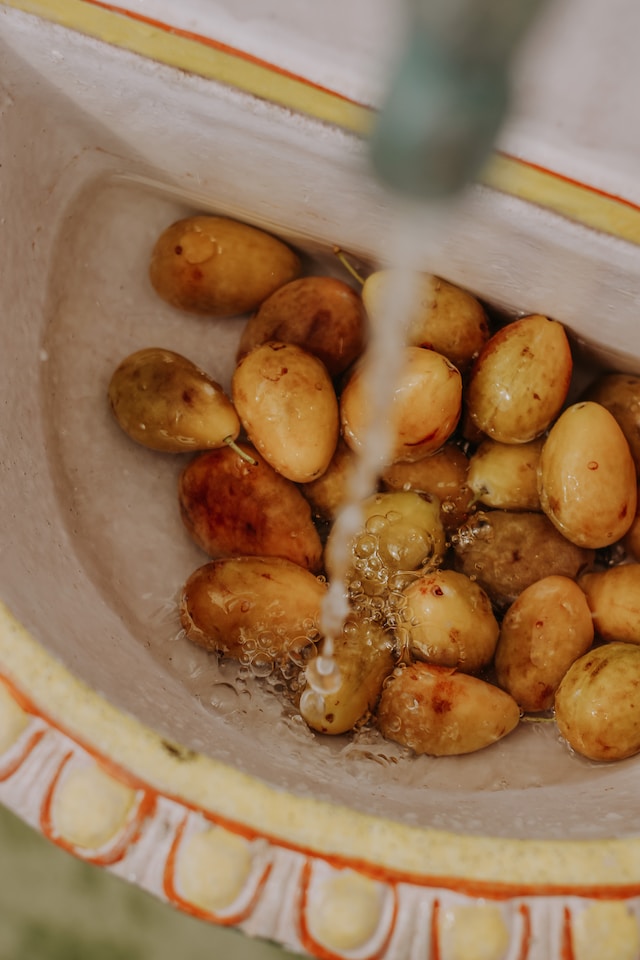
<point x="574" y="78"/>
<point x="100" y="149"/>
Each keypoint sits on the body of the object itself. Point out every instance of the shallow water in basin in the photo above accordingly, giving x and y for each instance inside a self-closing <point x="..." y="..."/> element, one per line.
<point x="121" y="508"/>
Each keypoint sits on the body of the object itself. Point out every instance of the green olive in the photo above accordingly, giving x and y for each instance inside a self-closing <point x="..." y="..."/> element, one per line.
<point x="505" y="475"/>
<point x="219" y="267"/>
<point x="442" y="475"/>
<point x="329" y="492"/>
<point x="246" y="607"/>
<point x="613" y="596"/>
<point x="364" y="658"/>
<point x="165" y="402"/>
<point x="597" y="707"/>
<point x="505" y="551"/>
<point x="620" y="394"/>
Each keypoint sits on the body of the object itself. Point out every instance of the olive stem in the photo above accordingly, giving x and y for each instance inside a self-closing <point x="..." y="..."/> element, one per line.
<point x="527" y="718"/>
<point x="230" y="442"/>
<point x="346" y="263"/>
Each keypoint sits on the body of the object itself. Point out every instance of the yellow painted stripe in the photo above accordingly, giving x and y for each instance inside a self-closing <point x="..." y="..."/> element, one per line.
<point x="205" y="57"/>
<point x="569" y="198"/>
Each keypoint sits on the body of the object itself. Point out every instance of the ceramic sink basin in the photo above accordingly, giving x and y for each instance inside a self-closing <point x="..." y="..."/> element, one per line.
<point x="119" y="740"/>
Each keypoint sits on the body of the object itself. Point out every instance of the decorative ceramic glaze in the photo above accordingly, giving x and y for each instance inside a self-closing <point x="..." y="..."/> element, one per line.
<point x="119" y="742"/>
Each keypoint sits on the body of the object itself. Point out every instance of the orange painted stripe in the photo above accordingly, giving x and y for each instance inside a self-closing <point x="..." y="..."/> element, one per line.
<point x="9" y="769"/>
<point x="23" y="701"/>
<point x="566" y="947"/>
<point x="525" y="944"/>
<point x="490" y="889"/>
<point x="434" y="932"/>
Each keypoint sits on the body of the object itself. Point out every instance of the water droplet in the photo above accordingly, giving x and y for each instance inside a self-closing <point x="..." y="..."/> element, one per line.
<point x="261" y="666"/>
<point x="365" y="546"/>
<point x="376" y="525"/>
<point x="311" y="703"/>
<point x="224" y="697"/>
<point x="266" y="640"/>
<point x="323" y="675"/>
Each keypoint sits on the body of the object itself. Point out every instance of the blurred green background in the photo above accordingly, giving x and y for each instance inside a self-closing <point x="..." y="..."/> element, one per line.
<point x="56" y="907"/>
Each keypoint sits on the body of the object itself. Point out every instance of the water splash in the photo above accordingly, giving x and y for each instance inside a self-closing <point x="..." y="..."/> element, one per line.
<point x="383" y="366"/>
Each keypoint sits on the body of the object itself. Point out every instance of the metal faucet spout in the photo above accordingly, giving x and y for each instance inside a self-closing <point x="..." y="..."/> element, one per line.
<point x="449" y="95"/>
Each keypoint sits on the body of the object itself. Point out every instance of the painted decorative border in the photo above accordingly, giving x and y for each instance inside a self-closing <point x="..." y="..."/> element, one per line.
<point x="201" y="55"/>
<point x="207" y="57"/>
<point x="228" y="848"/>
<point x="103" y="787"/>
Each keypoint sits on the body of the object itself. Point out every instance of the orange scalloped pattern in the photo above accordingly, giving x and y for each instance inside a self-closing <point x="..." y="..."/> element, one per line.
<point x="237" y="911"/>
<point x="409" y="912"/>
<point x="117" y="846"/>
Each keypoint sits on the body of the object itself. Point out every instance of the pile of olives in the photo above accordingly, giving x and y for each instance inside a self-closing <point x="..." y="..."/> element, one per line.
<point x="496" y="573"/>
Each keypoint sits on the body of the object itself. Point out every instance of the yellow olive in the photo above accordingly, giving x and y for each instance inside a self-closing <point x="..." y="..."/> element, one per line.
<point x="233" y="508"/>
<point x="287" y="404"/>
<point x="505" y="475"/>
<point x="520" y="381"/>
<point x="597" y="705"/>
<point x="448" y="621"/>
<point x="401" y="531"/>
<point x="437" y="711"/>
<point x="445" y="318"/>
<point x="425" y="408"/>
<point x="542" y="633"/>
<point x="631" y="539"/>
<point x="364" y="657"/>
<point x="329" y="492"/>
<point x="322" y="314"/>
<point x="219" y="267"/>
<point x="613" y="596"/>
<point x="252" y="607"/>
<point x="586" y="477"/>
<point x="165" y="402"/>
<point x="620" y="394"/>
<point x="442" y="475"/>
